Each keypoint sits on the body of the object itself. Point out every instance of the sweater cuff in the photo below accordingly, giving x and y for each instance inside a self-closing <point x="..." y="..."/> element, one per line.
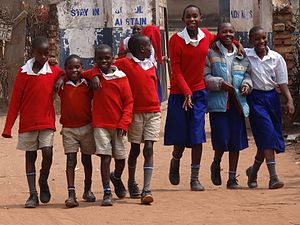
<point x="6" y="133"/>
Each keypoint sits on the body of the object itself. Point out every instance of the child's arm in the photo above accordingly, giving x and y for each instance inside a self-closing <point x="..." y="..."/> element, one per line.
<point x="211" y="82"/>
<point x="93" y="75"/>
<point x="177" y="74"/>
<point x="247" y="85"/>
<point x="282" y="80"/>
<point x="14" y="105"/>
<point x="127" y="105"/>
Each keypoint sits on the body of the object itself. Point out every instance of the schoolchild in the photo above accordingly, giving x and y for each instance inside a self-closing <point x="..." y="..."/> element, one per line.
<point x="32" y="100"/>
<point x="269" y="72"/>
<point x="77" y="130"/>
<point x="228" y="82"/>
<point x="145" y="125"/>
<point x="112" y="114"/>
<point x="123" y="49"/>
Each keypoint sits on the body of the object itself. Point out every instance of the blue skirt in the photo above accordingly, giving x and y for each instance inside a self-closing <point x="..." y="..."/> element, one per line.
<point x="228" y="129"/>
<point x="186" y="128"/>
<point x="265" y="120"/>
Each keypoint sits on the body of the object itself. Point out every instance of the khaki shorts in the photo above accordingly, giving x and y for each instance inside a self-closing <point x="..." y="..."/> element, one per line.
<point x="108" y="143"/>
<point x="34" y="140"/>
<point x="144" y="127"/>
<point x="81" y="137"/>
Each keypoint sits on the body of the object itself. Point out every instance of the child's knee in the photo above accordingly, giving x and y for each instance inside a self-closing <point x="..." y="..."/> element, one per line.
<point x="71" y="161"/>
<point x="105" y="159"/>
<point x="47" y="152"/>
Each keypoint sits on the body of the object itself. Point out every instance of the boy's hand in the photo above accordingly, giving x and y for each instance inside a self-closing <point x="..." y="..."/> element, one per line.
<point x="227" y="87"/>
<point x="187" y="102"/>
<point x="241" y="50"/>
<point x="290" y="109"/>
<point x="96" y="84"/>
<point x="245" y="89"/>
<point x="58" y="84"/>
<point x="121" y="132"/>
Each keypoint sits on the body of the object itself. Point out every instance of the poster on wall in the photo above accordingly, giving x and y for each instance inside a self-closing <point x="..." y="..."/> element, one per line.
<point x="241" y="14"/>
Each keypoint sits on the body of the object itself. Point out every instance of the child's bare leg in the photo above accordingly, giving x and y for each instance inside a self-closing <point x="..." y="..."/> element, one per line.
<point x="70" y="173"/>
<point x="45" y="195"/>
<point x="233" y="162"/>
<point x="174" y="176"/>
<point x="86" y="160"/>
<point x="215" y="168"/>
<point x="271" y="164"/>
<point x="132" y="185"/>
<point x="146" y="197"/>
<point x="105" y="174"/>
<point x="115" y="178"/>
<point x="253" y="170"/>
<point x="30" y="158"/>
<point x="195" y="167"/>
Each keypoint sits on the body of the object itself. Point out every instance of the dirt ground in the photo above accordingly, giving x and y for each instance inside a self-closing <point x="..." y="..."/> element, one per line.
<point x="172" y="204"/>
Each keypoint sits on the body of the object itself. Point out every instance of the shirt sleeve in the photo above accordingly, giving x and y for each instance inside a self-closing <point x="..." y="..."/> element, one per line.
<point x="281" y="71"/>
<point x="177" y="74"/>
<point x="15" y="104"/>
<point x="127" y="105"/>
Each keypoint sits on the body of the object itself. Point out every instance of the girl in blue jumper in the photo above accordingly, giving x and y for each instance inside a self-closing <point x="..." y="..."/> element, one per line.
<point x="228" y="80"/>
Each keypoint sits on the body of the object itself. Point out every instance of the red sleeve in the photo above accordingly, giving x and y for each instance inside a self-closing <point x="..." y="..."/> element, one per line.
<point x="211" y="37"/>
<point x="14" y="105"/>
<point x="89" y="74"/>
<point x="177" y="74"/>
<point x="127" y="105"/>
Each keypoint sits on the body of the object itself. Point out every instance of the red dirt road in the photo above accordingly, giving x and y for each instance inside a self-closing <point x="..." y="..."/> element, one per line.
<point x="172" y="204"/>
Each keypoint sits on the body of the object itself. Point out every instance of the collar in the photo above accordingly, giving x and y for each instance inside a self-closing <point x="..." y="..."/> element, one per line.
<point x="82" y="81"/>
<point x="145" y="64"/>
<point x="251" y="52"/>
<point x="186" y="37"/>
<point x="27" y="68"/>
<point x="114" y="75"/>
<point x="224" y="51"/>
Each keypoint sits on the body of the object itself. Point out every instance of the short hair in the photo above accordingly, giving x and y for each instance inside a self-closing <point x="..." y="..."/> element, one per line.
<point x="221" y="24"/>
<point x="101" y="47"/>
<point x="70" y="57"/>
<point x="39" y="41"/>
<point x="253" y="30"/>
<point x="191" y="6"/>
<point x="135" y="42"/>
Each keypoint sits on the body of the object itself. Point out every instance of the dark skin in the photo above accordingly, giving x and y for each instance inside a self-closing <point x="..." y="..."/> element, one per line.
<point x="259" y="41"/>
<point x="136" y="29"/>
<point x="104" y="59"/>
<point x="73" y="72"/>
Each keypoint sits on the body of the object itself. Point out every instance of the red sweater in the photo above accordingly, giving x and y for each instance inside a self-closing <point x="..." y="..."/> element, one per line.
<point x="32" y="97"/>
<point x="113" y="102"/>
<point x="76" y="102"/>
<point x="187" y="64"/>
<point x="143" y="85"/>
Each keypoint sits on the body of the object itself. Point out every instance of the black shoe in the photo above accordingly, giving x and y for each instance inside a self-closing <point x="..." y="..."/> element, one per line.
<point x="146" y="197"/>
<point x="107" y="199"/>
<point x="134" y="190"/>
<point x="215" y="174"/>
<point x="252" y="179"/>
<point x="45" y="194"/>
<point x="89" y="196"/>
<point x="174" y="176"/>
<point x="118" y="186"/>
<point x="275" y="183"/>
<point x="71" y="202"/>
<point x="233" y="184"/>
<point x="196" y="185"/>
<point x="32" y="201"/>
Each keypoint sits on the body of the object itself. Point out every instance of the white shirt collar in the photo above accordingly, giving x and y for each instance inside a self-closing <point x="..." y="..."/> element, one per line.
<point x="251" y="52"/>
<point x="225" y="50"/>
<point x="186" y="37"/>
<point x="27" y="68"/>
<point x="145" y="64"/>
<point x="114" y="75"/>
<point x="82" y="81"/>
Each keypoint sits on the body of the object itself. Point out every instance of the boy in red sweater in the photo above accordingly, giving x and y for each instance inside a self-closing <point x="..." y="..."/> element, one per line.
<point x="32" y="98"/>
<point x="145" y="126"/>
<point x="112" y="114"/>
<point x="77" y="131"/>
